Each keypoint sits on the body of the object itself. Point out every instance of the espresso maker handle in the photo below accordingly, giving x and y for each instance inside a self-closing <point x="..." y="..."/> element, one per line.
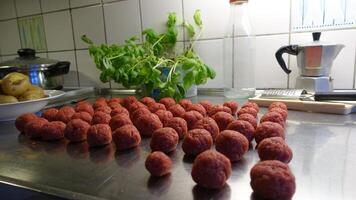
<point x="291" y="49"/>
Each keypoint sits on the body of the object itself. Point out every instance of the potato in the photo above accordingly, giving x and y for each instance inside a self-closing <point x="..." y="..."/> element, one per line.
<point x="37" y="90"/>
<point x="15" y="84"/>
<point x="31" y="95"/>
<point x="7" y="99"/>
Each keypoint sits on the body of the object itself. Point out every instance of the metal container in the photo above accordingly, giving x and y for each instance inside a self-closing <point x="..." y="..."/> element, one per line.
<point x="46" y="73"/>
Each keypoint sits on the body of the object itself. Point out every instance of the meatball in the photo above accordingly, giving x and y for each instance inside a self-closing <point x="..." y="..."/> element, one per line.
<point x="196" y="107"/>
<point x="119" y="110"/>
<point x="232" y="105"/>
<point x="50" y="114"/>
<point x="272" y="179"/>
<point x="126" y="137"/>
<point x="33" y="128"/>
<point x="191" y="117"/>
<point x="248" y="110"/>
<point x="101" y="99"/>
<point x="99" y="104"/>
<point x="164" y="139"/>
<point x="84" y="102"/>
<point x="211" y="169"/>
<point x="284" y="113"/>
<point x="147" y="100"/>
<point x="115" y="99"/>
<point x="154" y="107"/>
<point x="101" y="118"/>
<point x="219" y="108"/>
<point x="76" y="130"/>
<point x="53" y="131"/>
<point x="83" y="116"/>
<point x="118" y="121"/>
<point x="243" y="127"/>
<point x="278" y="105"/>
<point x="179" y="125"/>
<point x="177" y="110"/>
<point x="252" y="105"/>
<point x="267" y="130"/>
<point x="223" y="119"/>
<point x="232" y="144"/>
<point x="164" y="115"/>
<point x="275" y="148"/>
<point x="273" y="117"/>
<point x="158" y="164"/>
<point x="114" y="105"/>
<point x="128" y="100"/>
<point x="105" y="109"/>
<point x="23" y="119"/>
<point x="136" y="105"/>
<point x="99" y="135"/>
<point x="65" y="114"/>
<point x="185" y="103"/>
<point x="167" y="101"/>
<point x="139" y="112"/>
<point x="206" y="104"/>
<point x="208" y="124"/>
<point x="84" y="108"/>
<point x="197" y="141"/>
<point x="249" y="118"/>
<point x="147" y="124"/>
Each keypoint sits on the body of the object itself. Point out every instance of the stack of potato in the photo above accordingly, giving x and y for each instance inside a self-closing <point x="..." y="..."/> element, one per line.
<point x="16" y="87"/>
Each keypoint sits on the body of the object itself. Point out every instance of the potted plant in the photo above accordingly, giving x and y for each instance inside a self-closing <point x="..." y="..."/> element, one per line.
<point x="154" y="65"/>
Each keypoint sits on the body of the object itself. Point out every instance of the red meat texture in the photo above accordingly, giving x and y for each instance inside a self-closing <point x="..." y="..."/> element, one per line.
<point x="158" y="164"/>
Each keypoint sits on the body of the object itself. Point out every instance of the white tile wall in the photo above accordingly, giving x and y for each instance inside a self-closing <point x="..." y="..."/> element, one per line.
<point x="7" y="9"/>
<point x="52" y="5"/>
<point x="88" y="73"/>
<point x="6" y="58"/>
<point x="77" y="3"/>
<point x="116" y="15"/>
<point x="70" y="79"/>
<point x="27" y="7"/>
<point x="58" y="31"/>
<point x="88" y="21"/>
<point x="10" y="39"/>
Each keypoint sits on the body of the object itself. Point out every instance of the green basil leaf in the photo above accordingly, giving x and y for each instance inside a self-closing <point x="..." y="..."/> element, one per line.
<point x="172" y="19"/>
<point x="197" y="19"/>
<point x="190" y="29"/>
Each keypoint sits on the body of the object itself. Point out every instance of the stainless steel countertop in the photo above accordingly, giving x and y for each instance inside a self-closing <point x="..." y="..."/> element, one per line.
<point x="324" y="164"/>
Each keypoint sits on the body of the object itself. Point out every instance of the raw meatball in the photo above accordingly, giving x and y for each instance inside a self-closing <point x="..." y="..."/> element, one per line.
<point x="223" y="119"/>
<point x="147" y="100"/>
<point x="128" y="100"/>
<point x="118" y="111"/>
<point x="101" y="118"/>
<point x="84" y="108"/>
<point x="76" y="130"/>
<point x="219" y="108"/>
<point x="99" y="104"/>
<point x="114" y="105"/>
<point x="126" y="137"/>
<point x="197" y="141"/>
<point x="179" y="125"/>
<point x="154" y="107"/>
<point x="185" y="103"/>
<point x="284" y="113"/>
<point x="50" y="114"/>
<point x="115" y="99"/>
<point x="211" y="169"/>
<point x="136" y="105"/>
<point x="177" y="110"/>
<point x="272" y="179"/>
<point x="249" y="118"/>
<point x="158" y="164"/>
<point x="83" y="116"/>
<point x="248" y="110"/>
<point x="275" y="148"/>
<point x="273" y="117"/>
<point x="243" y="127"/>
<point x="267" y="130"/>
<point x="53" y="131"/>
<point x="232" y="144"/>
<point x="33" y="128"/>
<point x="206" y="104"/>
<point x="105" y="109"/>
<point x="164" y="115"/>
<point x="138" y="113"/>
<point x="167" y="101"/>
<point x="232" y="105"/>
<point x="278" y="105"/>
<point x="101" y="99"/>
<point x="118" y="121"/>
<point x="147" y="124"/>
<point x="99" y="135"/>
<point x="84" y="102"/>
<point x="65" y="114"/>
<point x="23" y="119"/>
<point x="208" y="124"/>
<point x="164" y="139"/>
<point x="191" y="117"/>
<point x="196" y="107"/>
<point x="252" y="105"/>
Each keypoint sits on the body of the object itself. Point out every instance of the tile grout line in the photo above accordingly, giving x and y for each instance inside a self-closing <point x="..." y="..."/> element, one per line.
<point x="74" y="45"/>
<point x="354" y="78"/>
<point x="17" y="22"/>
<point x="183" y="16"/>
<point x="289" y="41"/>
<point x="105" y="32"/>
<point x="44" y="30"/>
<point x="141" y="18"/>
